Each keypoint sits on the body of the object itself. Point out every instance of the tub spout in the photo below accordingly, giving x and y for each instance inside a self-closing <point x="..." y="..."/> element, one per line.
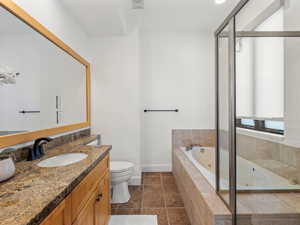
<point x="190" y="147"/>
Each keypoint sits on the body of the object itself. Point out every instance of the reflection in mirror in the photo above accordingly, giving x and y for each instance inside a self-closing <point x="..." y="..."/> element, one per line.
<point x="41" y="86"/>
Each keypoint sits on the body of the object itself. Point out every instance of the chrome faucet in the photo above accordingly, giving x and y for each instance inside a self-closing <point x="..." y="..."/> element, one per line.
<point x="37" y="151"/>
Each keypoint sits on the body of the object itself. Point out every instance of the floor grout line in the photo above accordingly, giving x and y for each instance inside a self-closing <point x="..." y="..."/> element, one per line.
<point x="165" y="202"/>
<point x="142" y="197"/>
<point x="162" y="188"/>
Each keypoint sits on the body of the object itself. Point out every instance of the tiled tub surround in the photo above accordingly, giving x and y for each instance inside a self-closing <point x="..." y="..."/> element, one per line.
<point x="279" y="158"/>
<point x="33" y="192"/>
<point x="184" y="137"/>
<point x="204" y="207"/>
<point x="20" y="154"/>
<point x="250" y="176"/>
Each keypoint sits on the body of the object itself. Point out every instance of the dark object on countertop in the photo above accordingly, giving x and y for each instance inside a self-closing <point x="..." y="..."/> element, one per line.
<point x="37" y="151"/>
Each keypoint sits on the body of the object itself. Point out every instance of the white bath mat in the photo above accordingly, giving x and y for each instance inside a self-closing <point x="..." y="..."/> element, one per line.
<point x="133" y="220"/>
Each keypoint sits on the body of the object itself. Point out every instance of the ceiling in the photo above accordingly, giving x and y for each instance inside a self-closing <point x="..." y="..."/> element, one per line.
<point x="116" y="17"/>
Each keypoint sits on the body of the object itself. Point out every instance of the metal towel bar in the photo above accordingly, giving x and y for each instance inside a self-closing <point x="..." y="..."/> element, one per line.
<point x="161" y="110"/>
<point x="24" y="112"/>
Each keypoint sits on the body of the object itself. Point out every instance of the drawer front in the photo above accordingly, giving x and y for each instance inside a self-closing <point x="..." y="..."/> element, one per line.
<point x="84" y="190"/>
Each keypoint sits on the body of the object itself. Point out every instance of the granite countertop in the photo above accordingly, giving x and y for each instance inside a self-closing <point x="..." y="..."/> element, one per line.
<point x="30" y="196"/>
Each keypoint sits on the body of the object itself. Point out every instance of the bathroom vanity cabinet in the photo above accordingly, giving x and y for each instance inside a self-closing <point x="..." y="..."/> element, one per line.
<point x="88" y="203"/>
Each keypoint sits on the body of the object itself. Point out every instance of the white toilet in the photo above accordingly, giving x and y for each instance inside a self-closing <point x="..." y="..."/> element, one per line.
<point x="121" y="172"/>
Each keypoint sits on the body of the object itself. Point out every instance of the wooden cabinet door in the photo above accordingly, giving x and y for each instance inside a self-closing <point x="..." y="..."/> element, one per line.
<point x="102" y="207"/>
<point x="89" y="203"/>
<point x="87" y="216"/>
<point x="61" y="215"/>
<point x="83" y="192"/>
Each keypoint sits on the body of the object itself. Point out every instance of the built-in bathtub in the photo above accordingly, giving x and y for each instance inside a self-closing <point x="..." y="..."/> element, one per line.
<point x="194" y="174"/>
<point x="250" y="176"/>
<point x="203" y="205"/>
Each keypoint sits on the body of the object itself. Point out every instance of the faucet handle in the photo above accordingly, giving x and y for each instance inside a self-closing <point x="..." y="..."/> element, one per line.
<point x="37" y="151"/>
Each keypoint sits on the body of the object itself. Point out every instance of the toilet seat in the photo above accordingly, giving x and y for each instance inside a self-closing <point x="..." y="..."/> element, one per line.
<point x="120" y="166"/>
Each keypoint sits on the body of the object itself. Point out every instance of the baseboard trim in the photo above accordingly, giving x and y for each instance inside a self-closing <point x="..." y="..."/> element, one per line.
<point x="157" y="168"/>
<point x="135" y="181"/>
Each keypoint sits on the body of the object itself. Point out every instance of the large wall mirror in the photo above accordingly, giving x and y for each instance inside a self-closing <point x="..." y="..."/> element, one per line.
<point x="44" y="85"/>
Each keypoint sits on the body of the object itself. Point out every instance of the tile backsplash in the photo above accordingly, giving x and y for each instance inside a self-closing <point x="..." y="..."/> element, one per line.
<point x="20" y="154"/>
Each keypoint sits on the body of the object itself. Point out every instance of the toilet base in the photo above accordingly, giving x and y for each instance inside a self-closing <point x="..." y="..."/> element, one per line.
<point x="120" y="193"/>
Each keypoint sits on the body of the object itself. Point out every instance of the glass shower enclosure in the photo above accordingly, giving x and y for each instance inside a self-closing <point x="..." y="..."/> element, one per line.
<point x="257" y="112"/>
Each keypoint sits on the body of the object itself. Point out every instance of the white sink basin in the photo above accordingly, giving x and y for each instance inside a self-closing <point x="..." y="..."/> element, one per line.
<point x="62" y="160"/>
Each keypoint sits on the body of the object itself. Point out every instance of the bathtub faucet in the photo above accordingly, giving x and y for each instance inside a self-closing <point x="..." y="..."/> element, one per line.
<point x="191" y="146"/>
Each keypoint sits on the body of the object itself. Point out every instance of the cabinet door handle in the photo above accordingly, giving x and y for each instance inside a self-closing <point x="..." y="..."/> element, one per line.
<point x="99" y="197"/>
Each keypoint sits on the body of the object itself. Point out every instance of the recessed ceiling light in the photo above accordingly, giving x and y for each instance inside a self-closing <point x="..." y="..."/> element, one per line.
<point x="138" y="4"/>
<point x="218" y="2"/>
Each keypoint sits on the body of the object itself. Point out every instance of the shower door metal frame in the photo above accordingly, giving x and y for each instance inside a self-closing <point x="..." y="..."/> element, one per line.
<point x="232" y="34"/>
<point x="232" y="110"/>
<point x="231" y="118"/>
<point x="230" y="20"/>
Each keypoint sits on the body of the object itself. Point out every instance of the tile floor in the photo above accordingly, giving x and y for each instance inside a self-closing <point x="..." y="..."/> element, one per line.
<point x="158" y="195"/>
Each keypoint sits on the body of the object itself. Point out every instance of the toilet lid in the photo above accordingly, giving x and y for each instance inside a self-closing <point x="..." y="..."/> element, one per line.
<point x="120" y="166"/>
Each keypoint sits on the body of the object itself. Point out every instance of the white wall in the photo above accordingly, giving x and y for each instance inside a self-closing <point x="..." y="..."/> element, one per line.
<point x="182" y="64"/>
<point x="177" y="71"/>
<point x="252" y="9"/>
<point x="53" y="16"/>
<point x="151" y="70"/>
<point x="115" y="113"/>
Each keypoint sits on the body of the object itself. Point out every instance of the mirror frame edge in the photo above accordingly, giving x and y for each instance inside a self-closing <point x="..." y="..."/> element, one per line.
<point x="11" y="140"/>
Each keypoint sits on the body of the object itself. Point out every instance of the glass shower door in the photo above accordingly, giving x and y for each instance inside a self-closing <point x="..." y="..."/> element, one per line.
<point x="258" y="123"/>
<point x="226" y="121"/>
<point x="223" y="112"/>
